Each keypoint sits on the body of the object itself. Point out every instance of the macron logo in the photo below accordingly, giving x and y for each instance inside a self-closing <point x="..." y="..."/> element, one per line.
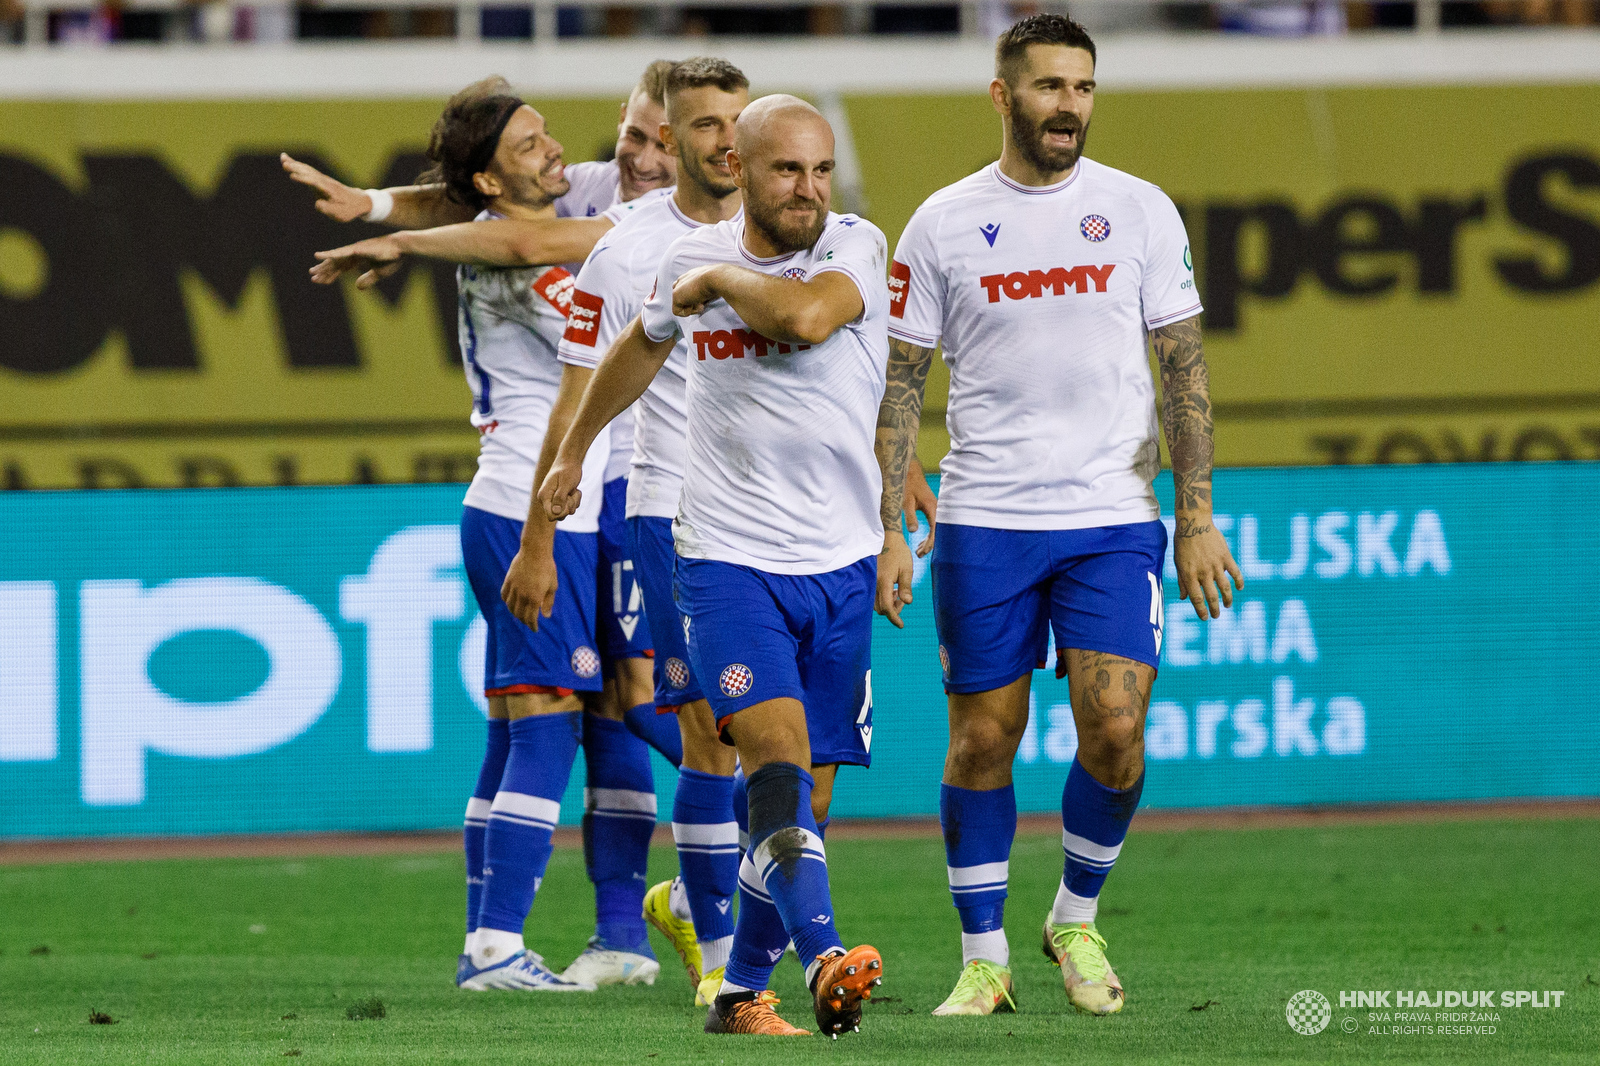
<point x="990" y="232"/>
<point x="1027" y="284"/>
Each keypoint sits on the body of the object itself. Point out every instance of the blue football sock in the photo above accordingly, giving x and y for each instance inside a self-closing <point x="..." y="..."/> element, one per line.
<point x="516" y="843"/>
<point x="660" y="731"/>
<point x="788" y="855"/>
<point x="1094" y="821"/>
<point x="619" y="805"/>
<point x="708" y="858"/>
<point x="489" y="774"/>
<point x="760" y="939"/>
<point x="978" y="829"/>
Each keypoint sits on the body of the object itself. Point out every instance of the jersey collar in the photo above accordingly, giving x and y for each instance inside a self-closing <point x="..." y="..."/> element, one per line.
<point x="1036" y="190"/>
<point x="752" y="259"/>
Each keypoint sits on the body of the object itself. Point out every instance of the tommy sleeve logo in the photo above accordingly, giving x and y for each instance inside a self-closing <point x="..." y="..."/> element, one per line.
<point x="899" y="286"/>
<point x="583" y="321"/>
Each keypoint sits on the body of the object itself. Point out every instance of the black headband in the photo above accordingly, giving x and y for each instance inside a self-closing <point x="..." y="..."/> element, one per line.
<point x="484" y="152"/>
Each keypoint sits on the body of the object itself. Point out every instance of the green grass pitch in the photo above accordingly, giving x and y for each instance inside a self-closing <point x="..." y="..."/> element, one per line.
<point x="253" y="961"/>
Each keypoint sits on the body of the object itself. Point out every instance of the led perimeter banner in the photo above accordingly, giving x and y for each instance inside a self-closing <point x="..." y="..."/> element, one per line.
<point x="275" y="660"/>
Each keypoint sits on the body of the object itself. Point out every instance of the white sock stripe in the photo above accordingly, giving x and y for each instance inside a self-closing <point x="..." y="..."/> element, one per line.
<point x="477" y="809"/>
<point x="986" y="873"/>
<point x="718" y="833"/>
<point x="750" y="881"/>
<point x="1087" y="851"/>
<point x="524" y="806"/>
<point x="624" y="799"/>
<point x="719" y="849"/>
<point x="514" y="820"/>
<point x="632" y="816"/>
<point x="993" y="886"/>
<point x="811" y="846"/>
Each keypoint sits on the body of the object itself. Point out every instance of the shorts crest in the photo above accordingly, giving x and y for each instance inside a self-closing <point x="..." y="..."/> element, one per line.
<point x="736" y="680"/>
<point x="585" y="662"/>
<point x="677" y="673"/>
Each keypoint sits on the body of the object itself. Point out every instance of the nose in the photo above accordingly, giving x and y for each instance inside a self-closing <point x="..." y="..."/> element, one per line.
<point x="556" y="151"/>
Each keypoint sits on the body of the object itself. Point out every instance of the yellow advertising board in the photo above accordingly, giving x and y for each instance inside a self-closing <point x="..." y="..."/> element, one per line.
<point x="1390" y="275"/>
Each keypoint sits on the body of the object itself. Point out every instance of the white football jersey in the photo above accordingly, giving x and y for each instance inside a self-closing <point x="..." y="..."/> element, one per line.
<point x="595" y="187"/>
<point x="1042" y="298"/>
<point x="612" y="287"/>
<point x="510" y="322"/>
<point x="781" y="474"/>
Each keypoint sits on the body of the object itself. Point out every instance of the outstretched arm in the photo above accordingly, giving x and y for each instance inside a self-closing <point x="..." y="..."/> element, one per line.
<point x="624" y="373"/>
<point x="410" y="206"/>
<point x="500" y="242"/>
<point x="781" y="309"/>
<point x="1199" y="552"/>
<point x="899" y="416"/>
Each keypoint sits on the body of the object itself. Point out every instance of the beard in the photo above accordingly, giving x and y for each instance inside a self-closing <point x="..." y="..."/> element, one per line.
<point x="782" y="233"/>
<point x="1028" y="133"/>
<point x="699" y="173"/>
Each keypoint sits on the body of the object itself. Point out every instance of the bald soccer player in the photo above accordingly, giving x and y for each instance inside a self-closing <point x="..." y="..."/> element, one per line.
<point x="786" y="313"/>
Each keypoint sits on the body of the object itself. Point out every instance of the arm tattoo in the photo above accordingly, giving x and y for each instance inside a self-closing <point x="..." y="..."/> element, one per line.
<point x="898" y="419"/>
<point x="1186" y="417"/>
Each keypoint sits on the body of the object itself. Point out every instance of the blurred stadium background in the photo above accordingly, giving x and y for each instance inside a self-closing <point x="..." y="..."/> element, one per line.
<point x="231" y="599"/>
<point x="1397" y="235"/>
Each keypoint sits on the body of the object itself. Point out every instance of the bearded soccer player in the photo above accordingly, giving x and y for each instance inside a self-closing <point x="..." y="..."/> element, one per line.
<point x="620" y="806"/>
<point x="786" y="318"/>
<point x="1042" y="276"/>
<point x="704" y="97"/>
<point x="493" y="153"/>
<point x="641" y="164"/>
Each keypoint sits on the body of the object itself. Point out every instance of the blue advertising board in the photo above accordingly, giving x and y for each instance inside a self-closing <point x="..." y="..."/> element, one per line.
<point x="272" y="660"/>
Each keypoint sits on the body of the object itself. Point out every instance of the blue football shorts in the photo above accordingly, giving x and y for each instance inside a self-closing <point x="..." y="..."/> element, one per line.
<point x="624" y="633"/>
<point x="998" y="593"/>
<point x="560" y="657"/>
<point x="650" y="543"/>
<point x="755" y="636"/>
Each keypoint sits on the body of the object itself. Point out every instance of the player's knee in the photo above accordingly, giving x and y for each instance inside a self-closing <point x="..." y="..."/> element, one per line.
<point x="983" y="741"/>
<point x="1115" y="742"/>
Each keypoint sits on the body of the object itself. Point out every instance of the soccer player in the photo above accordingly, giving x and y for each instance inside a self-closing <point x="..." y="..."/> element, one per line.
<point x="704" y="97"/>
<point x="620" y="807"/>
<point x="785" y="314"/>
<point x="1042" y="275"/>
<point x="641" y="164"/>
<point x="494" y="154"/>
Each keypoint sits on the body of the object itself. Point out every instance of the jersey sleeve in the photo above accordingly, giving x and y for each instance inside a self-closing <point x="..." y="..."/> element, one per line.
<point x="602" y="306"/>
<point x="656" y="316"/>
<point x="856" y="248"/>
<point x="1167" y="291"/>
<point x="916" y="286"/>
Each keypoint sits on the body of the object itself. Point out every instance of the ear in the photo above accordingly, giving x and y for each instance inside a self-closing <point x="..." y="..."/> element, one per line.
<point x="664" y="131"/>
<point x="1000" y="96"/>
<point x="487" y="184"/>
<point x="736" y="167"/>
<point x="622" y="112"/>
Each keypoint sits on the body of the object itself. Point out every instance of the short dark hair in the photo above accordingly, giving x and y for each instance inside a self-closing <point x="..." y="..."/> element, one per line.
<point x="1037" y="29"/>
<point x="653" y="82"/>
<point x="701" y="71"/>
<point x="464" y="140"/>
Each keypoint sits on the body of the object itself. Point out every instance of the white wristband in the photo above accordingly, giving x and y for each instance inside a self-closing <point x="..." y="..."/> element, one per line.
<point x="382" y="205"/>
